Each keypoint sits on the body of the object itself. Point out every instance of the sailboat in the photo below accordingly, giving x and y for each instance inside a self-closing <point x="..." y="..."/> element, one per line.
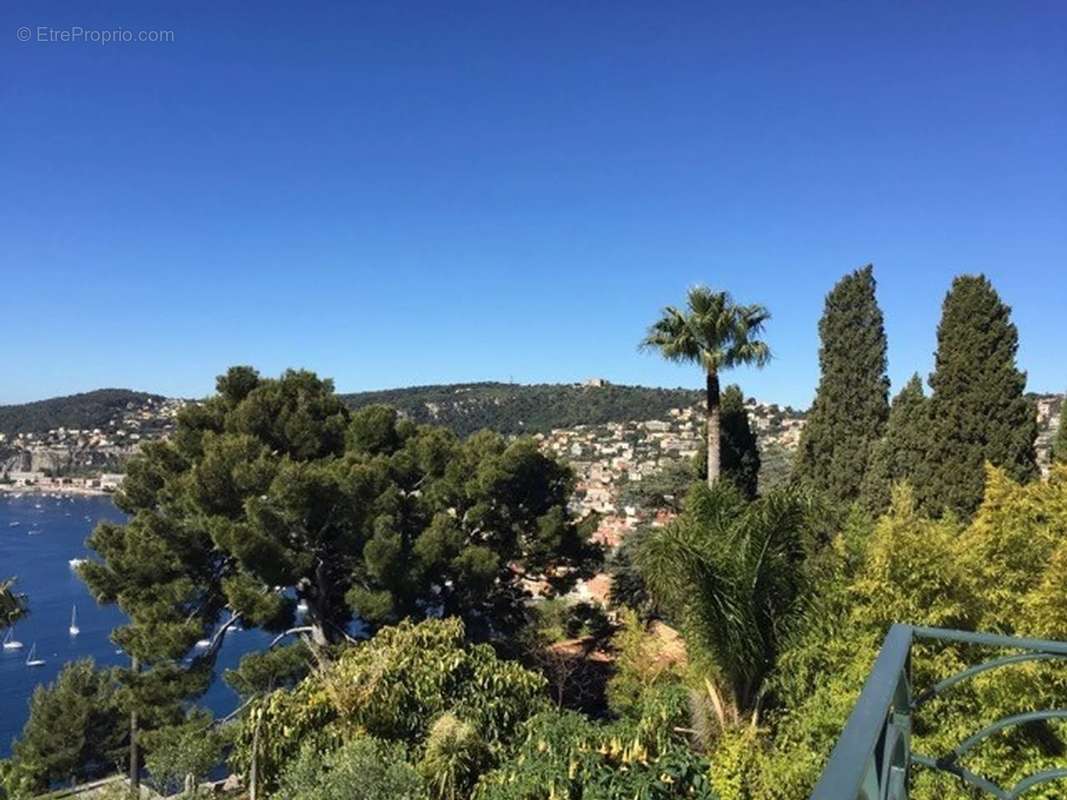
<point x="34" y="662"/>
<point x="10" y="643"/>
<point x="74" y="629"/>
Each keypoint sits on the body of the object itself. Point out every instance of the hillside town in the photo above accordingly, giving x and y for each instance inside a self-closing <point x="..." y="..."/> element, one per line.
<point x="604" y="457"/>
<point x="84" y="460"/>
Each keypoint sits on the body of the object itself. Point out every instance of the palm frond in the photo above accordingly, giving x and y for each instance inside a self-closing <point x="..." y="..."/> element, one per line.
<point x="712" y="331"/>
<point x="728" y="571"/>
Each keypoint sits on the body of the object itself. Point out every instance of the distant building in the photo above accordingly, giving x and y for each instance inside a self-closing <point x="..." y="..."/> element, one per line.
<point x="109" y="481"/>
<point x="596" y="383"/>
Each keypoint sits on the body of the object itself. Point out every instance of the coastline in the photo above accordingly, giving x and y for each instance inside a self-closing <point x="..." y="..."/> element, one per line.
<point x="58" y="489"/>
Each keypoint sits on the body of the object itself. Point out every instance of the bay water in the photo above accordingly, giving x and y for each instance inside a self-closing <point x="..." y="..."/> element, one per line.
<point x="39" y="535"/>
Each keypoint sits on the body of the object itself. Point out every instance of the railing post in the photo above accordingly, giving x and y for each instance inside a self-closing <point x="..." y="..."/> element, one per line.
<point x="872" y="758"/>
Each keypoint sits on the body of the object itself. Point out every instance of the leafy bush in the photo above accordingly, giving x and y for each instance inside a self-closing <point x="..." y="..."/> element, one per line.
<point x="393" y="687"/>
<point x="1003" y="572"/>
<point x="183" y="755"/>
<point x="455" y="756"/>
<point x="364" y="768"/>
<point x="642" y="664"/>
<point x="565" y="756"/>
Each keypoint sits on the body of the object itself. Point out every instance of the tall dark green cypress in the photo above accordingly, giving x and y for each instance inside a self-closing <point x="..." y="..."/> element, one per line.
<point x="852" y="402"/>
<point x="900" y="454"/>
<point x="738" y="447"/>
<point x="978" y="411"/>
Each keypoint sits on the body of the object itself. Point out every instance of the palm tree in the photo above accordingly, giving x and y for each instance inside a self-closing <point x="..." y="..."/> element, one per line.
<point x="12" y="605"/>
<point x="728" y="573"/>
<point x="717" y="334"/>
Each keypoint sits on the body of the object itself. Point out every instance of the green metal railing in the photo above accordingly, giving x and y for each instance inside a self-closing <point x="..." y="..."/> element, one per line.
<point x="873" y="759"/>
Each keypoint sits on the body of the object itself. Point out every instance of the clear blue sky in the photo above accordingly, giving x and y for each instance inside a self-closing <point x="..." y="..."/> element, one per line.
<point x="400" y="193"/>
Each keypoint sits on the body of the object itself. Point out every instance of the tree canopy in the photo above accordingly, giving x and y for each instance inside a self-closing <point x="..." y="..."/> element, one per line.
<point x="271" y="492"/>
<point x="900" y="454"/>
<point x="729" y="572"/>
<point x="852" y="401"/>
<point x="75" y="731"/>
<point x="978" y="411"/>
<point x="716" y="334"/>
<point x="12" y="604"/>
<point x="1059" y="444"/>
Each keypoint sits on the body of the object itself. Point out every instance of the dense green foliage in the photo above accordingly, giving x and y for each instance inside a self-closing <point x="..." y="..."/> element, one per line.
<point x="745" y="622"/>
<point x="565" y="756"/>
<point x="716" y="334"/>
<point x="271" y="492"/>
<point x="728" y="571"/>
<point x="1003" y="572"/>
<point x="363" y="768"/>
<point x="272" y="483"/>
<point x="263" y="671"/>
<point x="74" y="731"/>
<point x="79" y="411"/>
<point x="182" y="755"/>
<point x="978" y="411"/>
<point x="852" y="403"/>
<point x="739" y="455"/>
<point x="1059" y="444"/>
<point x="512" y="408"/>
<point x="393" y="687"/>
<point x="419" y="712"/>
<point x="900" y="454"/>
<point x="12" y="604"/>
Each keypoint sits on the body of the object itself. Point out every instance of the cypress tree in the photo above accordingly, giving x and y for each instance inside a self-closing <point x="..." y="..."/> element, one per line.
<point x="852" y="402"/>
<point x="739" y="456"/>
<point x="978" y="411"/>
<point x="1059" y="444"/>
<point x="899" y="455"/>
<point x="739" y="448"/>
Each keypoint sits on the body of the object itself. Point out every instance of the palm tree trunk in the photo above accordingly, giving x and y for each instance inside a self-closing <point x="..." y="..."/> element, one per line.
<point x="713" y="432"/>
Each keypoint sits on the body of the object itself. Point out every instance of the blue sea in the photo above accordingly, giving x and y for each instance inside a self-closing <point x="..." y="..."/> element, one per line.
<point x="39" y="534"/>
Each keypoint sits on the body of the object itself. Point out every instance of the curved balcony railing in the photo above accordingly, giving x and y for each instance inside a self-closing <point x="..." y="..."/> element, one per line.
<point x="873" y="759"/>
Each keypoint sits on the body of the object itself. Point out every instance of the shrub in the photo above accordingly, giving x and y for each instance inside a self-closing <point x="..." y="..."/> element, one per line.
<point x="455" y="755"/>
<point x="364" y="768"/>
<point x="393" y="687"/>
<point x="183" y="755"/>
<point x="565" y="756"/>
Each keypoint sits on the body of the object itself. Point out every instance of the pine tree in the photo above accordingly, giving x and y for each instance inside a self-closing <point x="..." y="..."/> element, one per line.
<point x="74" y="731"/>
<point x="899" y="455"/>
<point x="978" y="411"/>
<point x="852" y="402"/>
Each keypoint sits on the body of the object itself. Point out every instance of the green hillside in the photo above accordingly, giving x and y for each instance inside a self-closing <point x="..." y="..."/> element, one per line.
<point x="87" y="410"/>
<point x="515" y="408"/>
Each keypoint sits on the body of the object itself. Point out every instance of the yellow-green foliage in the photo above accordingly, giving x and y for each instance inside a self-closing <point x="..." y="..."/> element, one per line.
<point x="641" y="663"/>
<point x="393" y="687"/>
<point x="455" y="754"/>
<point x="566" y="756"/>
<point x="1005" y="572"/>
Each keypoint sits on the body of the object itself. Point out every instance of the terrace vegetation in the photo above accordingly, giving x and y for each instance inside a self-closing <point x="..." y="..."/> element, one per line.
<point x="444" y="654"/>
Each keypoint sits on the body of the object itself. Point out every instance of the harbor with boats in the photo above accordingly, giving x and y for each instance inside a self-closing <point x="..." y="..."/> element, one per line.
<point x="42" y="539"/>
